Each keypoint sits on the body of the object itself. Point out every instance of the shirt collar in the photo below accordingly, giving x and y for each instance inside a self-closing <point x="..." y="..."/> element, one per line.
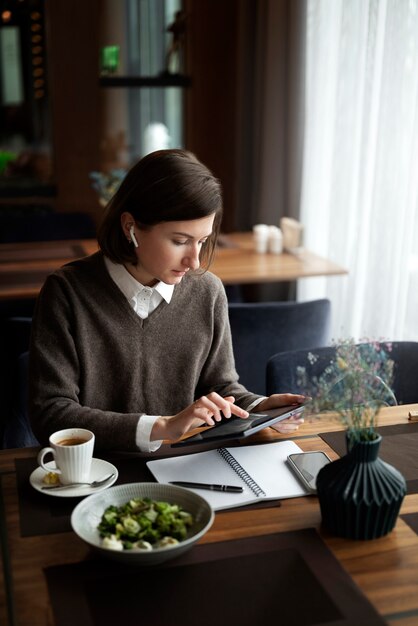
<point x="129" y="286"/>
<point x="166" y="291"/>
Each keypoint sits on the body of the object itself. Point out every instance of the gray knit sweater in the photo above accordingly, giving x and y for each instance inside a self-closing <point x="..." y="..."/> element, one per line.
<point x="95" y="364"/>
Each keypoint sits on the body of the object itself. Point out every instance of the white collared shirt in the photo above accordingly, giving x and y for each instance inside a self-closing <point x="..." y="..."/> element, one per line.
<point x="144" y="300"/>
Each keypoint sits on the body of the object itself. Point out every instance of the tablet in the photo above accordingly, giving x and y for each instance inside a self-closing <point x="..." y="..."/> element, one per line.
<point x="239" y="428"/>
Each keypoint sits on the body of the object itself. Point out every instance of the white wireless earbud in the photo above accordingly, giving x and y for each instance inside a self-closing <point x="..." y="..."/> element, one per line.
<point x="132" y="234"/>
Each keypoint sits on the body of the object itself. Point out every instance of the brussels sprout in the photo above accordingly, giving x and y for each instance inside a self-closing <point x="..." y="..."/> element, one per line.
<point x="130" y="525"/>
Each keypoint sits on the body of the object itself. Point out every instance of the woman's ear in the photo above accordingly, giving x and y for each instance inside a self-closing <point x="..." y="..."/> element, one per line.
<point x="128" y="227"/>
<point x="126" y="221"/>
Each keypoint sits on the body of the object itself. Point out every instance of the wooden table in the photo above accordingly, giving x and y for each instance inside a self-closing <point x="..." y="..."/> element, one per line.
<point x="384" y="569"/>
<point x="241" y="264"/>
<point x="24" y="266"/>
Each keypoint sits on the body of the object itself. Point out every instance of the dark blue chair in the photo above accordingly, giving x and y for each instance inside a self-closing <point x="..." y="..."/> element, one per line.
<point x="282" y="376"/>
<point x="15" y="336"/>
<point x="48" y="226"/>
<point x="17" y="430"/>
<point x="14" y="340"/>
<point x="259" y="330"/>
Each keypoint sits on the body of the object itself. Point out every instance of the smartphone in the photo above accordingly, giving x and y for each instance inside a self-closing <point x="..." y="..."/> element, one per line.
<point x="306" y="466"/>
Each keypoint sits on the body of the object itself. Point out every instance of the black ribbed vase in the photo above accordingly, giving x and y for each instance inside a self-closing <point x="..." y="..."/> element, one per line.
<point x="359" y="494"/>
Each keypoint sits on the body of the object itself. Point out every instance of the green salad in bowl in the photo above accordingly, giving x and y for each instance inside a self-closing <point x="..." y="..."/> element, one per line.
<point x="142" y="523"/>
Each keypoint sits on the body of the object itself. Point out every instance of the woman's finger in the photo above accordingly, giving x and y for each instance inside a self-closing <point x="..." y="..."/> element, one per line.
<point x="291" y="398"/>
<point x="288" y="425"/>
<point x="211" y="407"/>
<point x="214" y="403"/>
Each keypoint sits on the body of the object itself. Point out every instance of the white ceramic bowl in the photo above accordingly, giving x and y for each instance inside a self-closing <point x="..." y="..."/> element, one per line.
<point x="88" y="513"/>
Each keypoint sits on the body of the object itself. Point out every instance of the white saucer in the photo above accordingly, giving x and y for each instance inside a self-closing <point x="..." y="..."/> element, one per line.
<point x="99" y="469"/>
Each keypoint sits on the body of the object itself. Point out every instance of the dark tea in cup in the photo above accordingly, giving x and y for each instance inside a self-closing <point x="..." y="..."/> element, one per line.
<point x="72" y="441"/>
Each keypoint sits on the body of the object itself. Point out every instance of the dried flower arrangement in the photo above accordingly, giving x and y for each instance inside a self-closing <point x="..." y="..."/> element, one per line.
<point x="354" y="385"/>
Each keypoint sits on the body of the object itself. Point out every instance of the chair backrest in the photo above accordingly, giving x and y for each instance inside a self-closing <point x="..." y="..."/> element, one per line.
<point x="15" y="336"/>
<point x="259" y="330"/>
<point x="48" y="226"/>
<point x="14" y="340"/>
<point x="282" y="377"/>
<point x="17" y="429"/>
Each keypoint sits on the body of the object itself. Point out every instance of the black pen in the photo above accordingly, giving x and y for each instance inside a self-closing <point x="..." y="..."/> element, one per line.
<point x="229" y="488"/>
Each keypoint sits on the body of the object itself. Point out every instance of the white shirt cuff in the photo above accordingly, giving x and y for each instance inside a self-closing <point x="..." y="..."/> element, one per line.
<point x="143" y="434"/>
<point x="255" y="403"/>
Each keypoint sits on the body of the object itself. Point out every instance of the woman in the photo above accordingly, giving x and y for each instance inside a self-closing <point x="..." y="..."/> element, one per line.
<point x="133" y="342"/>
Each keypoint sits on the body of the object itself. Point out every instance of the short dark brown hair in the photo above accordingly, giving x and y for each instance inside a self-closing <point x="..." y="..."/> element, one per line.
<point x="164" y="186"/>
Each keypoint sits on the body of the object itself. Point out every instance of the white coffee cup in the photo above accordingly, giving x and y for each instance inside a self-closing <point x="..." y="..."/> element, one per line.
<point x="275" y="240"/>
<point x="261" y="237"/>
<point x="72" y="449"/>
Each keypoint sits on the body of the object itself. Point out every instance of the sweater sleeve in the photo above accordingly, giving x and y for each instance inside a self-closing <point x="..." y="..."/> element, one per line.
<point x="54" y="375"/>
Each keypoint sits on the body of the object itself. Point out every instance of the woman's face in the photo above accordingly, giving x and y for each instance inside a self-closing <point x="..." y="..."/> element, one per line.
<point x="168" y="250"/>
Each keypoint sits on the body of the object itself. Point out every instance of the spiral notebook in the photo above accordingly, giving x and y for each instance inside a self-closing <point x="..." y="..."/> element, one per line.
<point x="261" y="470"/>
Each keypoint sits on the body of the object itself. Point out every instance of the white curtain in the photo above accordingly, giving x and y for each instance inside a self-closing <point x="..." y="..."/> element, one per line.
<point x="359" y="200"/>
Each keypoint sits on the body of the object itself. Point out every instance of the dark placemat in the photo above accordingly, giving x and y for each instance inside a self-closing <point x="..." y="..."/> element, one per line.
<point x="257" y="580"/>
<point x="42" y="514"/>
<point x="412" y="520"/>
<point x="399" y="448"/>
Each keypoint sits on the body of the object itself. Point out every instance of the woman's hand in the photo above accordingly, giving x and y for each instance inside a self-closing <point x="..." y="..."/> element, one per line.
<point x="205" y="410"/>
<point x="290" y="424"/>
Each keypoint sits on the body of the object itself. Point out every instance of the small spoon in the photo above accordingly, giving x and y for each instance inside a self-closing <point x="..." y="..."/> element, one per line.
<point x="95" y="483"/>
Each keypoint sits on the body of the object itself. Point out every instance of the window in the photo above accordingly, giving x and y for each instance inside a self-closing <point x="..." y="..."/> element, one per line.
<point x="142" y="101"/>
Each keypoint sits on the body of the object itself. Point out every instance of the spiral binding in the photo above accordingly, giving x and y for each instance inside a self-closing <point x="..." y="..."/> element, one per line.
<point x="238" y="469"/>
